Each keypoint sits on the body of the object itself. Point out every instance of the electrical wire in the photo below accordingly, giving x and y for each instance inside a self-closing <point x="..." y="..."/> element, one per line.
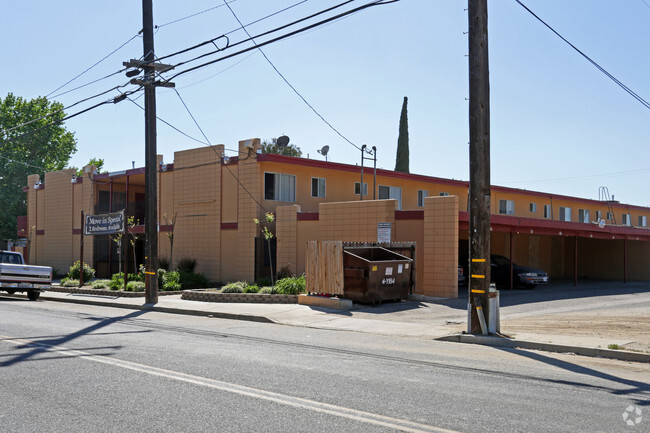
<point x="287" y="81"/>
<point x="645" y="103"/>
<point x="192" y="15"/>
<point x="62" y="109"/>
<point x="88" y="84"/>
<point x="217" y="153"/>
<point x="592" y="176"/>
<point x="115" y="100"/>
<point x="213" y="40"/>
<point x="97" y="63"/>
<point x="295" y="32"/>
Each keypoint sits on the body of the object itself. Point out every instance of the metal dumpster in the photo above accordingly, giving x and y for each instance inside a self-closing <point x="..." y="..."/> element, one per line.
<point x="375" y="274"/>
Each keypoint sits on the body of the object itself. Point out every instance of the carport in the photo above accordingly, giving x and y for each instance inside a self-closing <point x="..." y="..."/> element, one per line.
<point x="570" y="249"/>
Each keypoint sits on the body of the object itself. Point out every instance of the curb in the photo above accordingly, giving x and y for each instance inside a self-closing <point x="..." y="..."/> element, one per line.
<point x="151" y="307"/>
<point x="622" y="355"/>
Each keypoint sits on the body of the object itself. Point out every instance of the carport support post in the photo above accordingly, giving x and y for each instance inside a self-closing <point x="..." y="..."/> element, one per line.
<point x="575" y="261"/>
<point x="512" y="266"/>
<point x="624" y="261"/>
<point x="479" y="164"/>
<point x="81" y="253"/>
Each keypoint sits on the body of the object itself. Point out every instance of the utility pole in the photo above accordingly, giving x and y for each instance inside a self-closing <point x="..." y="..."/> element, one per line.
<point x="151" y="163"/>
<point x="479" y="167"/>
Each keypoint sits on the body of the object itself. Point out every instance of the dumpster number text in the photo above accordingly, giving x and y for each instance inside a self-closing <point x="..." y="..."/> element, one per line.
<point x="388" y="281"/>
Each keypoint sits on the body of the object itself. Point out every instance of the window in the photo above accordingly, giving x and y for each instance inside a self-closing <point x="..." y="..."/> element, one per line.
<point x="421" y="195"/>
<point x="280" y="187"/>
<point x="444" y="194"/>
<point x="387" y="192"/>
<point x="547" y="211"/>
<point x="627" y="220"/>
<point x="533" y="207"/>
<point x="583" y="215"/>
<point x="565" y="213"/>
<point x="609" y="216"/>
<point x="643" y="221"/>
<point x="357" y="188"/>
<point x="599" y="215"/>
<point x="317" y="187"/>
<point x="507" y="207"/>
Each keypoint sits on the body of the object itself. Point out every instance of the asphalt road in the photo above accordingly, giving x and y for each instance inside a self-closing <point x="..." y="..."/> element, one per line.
<point x="67" y="367"/>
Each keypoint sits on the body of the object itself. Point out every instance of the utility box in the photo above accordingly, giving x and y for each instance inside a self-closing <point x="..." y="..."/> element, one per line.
<point x="375" y="274"/>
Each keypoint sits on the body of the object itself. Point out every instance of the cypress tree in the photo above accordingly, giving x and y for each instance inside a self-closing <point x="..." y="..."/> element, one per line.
<point x="402" y="159"/>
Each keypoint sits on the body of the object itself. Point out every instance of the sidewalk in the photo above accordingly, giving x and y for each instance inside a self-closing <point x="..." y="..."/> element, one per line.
<point x="441" y="319"/>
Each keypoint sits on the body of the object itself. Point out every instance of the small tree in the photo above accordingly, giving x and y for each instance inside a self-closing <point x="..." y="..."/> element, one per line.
<point x="288" y="150"/>
<point x="170" y="235"/>
<point x="117" y="238"/>
<point x="133" y="237"/>
<point x="268" y="235"/>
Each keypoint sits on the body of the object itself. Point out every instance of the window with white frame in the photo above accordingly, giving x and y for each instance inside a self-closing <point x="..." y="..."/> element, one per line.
<point x="507" y="207"/>
<point x="565" y="213"/>
<point x="318" y="187"/>
<point x="627" y="220"/>
<point x="609" y="216"/>
<point x="643" y="221"/>
<point x="388" y="192"/>
<point x="357" y="188"/>
<point x="599" y="215"/>
<point x="444" y="194"/>
<point x="547" y="211"/>
<point x="421" y="195"/>
<point x="532" y="207"/>
<point x="583" y="215"/>
<point x="280" y="187"/>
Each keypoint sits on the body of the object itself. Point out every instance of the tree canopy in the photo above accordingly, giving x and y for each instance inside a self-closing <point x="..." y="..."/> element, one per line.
<point x="28" y="146"/>
<point x="272" y="147"/>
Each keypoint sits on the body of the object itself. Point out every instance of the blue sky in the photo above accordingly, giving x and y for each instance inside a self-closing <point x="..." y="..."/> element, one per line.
<point x="557" y="124"/>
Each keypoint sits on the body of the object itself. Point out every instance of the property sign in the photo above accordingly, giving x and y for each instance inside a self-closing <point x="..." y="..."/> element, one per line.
<point x="383" y="232"/>
<point x="106" y="224"/>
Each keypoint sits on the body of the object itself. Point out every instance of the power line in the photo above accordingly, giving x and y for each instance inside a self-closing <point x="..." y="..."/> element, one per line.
<point x="592" y="176"/>
<point x="217" y="153"/>
<point x="62" y="109"/>
<point x="56" y="122"/>
<point x="97" y="63"/>
<point x="225" y="35"/>
<point x="645" y="103"/>
<point x="287" y="81"/>
<point x="89" y="83"/>
<point x="287" y="35"/>
<point x="192" y="15"/>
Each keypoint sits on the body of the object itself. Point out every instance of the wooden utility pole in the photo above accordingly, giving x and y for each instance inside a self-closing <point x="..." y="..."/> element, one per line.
<point x="151" y="164"/>
<point x="479" y="167"/>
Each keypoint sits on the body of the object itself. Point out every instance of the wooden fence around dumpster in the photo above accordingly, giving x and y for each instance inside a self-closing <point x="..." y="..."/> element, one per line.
<point x="324" y="267"/>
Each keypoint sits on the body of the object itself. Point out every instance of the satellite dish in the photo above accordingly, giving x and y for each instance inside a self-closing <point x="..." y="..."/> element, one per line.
<point x="282" y="142"/>
<point x="601" y="223"/>
<point x="324" y="151"/>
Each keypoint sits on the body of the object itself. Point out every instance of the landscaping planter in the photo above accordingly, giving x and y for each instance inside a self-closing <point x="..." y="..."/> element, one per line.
<point x="105" y="292"/>
<point x="214" y="296"/>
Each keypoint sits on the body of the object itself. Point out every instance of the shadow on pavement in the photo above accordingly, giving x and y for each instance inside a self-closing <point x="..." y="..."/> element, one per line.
<point x="50" y="344"/>
<point x="635" y="387"/>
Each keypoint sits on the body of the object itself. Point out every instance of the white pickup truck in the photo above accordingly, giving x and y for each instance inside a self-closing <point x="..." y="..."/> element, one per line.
<point x="16" y="276"/>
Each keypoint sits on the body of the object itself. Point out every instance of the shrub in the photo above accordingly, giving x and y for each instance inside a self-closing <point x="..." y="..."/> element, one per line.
<point x="193" y="281"/>
<point x="135" y="286"/>
<point x="73" y="273"/>
<point x="117" y="281"/>
<point x="100" y="284"/>
<point x="186" y="265"/>
<point x="231" y="288"/>
<point x="268" y="290"/>
<point x="264" y="281"/>
<point x="169" y="281"/>
<point x="69" y="282"/>
<point x="135" y="277"/>
<point x="291" y="285"/>
<point x="163" y="263"/>
<point x="252" y="289"/>
<point x="284" y="272"/>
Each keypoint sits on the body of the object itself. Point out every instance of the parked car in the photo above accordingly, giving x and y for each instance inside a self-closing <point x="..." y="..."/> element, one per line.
<point x="16" y="276"/>
<point x="500" y="273"/>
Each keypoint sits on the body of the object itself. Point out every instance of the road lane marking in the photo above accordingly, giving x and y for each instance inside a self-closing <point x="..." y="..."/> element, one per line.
<point x="287" y="400"/>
